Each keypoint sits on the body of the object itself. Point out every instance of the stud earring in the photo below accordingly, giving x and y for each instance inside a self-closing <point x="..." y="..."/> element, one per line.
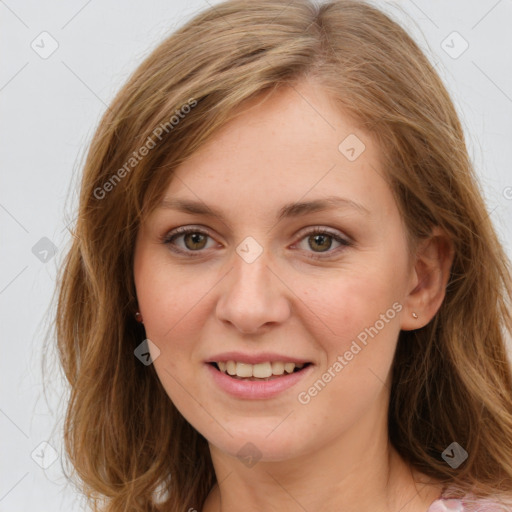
<point x="138" y="317"/>
<point x="414" y="315"/>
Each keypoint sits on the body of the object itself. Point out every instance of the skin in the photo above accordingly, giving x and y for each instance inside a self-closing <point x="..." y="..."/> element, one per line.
<point x="332" y="453"/>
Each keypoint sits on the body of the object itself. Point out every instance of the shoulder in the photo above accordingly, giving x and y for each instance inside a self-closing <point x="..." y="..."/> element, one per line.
<point x="469" y="504"/>
<point x="447" y="505"/>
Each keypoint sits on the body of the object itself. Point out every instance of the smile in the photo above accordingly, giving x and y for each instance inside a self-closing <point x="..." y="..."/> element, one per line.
<point x="265" y="370"/>
<point x="256" y="381"/>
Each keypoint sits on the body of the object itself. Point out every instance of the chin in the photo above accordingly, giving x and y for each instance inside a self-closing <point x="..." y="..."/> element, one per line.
<point x="260" y="445"/>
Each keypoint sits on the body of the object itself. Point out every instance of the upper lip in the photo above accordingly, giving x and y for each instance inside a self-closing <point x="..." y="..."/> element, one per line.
<point x="262" y="357"/>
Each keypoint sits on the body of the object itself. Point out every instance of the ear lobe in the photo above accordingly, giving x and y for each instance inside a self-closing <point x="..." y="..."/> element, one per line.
<point x="434" y="258"/>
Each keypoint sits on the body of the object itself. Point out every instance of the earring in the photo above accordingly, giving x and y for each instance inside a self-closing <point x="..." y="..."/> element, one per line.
<point x="414" y="315"/>
<point x="138" y="317"/>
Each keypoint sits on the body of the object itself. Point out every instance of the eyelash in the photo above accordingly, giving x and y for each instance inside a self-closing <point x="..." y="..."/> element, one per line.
<point x="317" y="230"/>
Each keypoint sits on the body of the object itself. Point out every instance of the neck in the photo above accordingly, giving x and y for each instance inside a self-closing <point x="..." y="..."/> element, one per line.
<point x="358" y="472"/>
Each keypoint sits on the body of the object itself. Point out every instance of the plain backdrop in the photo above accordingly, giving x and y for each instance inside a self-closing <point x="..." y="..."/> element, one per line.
<point x="62" y="63"/>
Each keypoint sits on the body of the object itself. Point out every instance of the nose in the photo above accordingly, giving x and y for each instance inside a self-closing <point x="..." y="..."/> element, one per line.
<point x="253" y="296"/>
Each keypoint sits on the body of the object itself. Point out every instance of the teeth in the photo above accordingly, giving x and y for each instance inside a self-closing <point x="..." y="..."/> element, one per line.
<point x="289" y="367"/>
<point x="277" y="368"/>
<point x="260" y="370"/>
<point x="231" y="367"/>
<point x="244" y="370"/>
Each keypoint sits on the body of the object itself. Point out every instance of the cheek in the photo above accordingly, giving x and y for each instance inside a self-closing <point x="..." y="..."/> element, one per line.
<point x="164" y="299"/>
<point x="165" y="294"/>
<point x="360" y="314"/>
<point x="173" y="307"/>
<point x="352" y="303"/>
<point x="357" y="335"/>
<point x="176" y="306"/>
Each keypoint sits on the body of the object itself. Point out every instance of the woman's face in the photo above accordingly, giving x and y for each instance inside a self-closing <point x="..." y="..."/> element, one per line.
<point x="267" y="282"/>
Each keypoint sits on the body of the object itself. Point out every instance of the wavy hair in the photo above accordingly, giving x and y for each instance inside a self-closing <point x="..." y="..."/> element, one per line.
<point x="451" y="380"/>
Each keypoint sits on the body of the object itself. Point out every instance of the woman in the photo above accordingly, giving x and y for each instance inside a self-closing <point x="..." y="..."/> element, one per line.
<point x="284" y="290"/>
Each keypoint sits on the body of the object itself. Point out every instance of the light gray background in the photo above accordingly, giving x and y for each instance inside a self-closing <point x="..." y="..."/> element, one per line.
<point x="49" y="109"/>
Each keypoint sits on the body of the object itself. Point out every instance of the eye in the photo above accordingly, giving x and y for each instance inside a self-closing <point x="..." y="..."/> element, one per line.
<point x="194" y="240"/>
<point x="320" y="240"/>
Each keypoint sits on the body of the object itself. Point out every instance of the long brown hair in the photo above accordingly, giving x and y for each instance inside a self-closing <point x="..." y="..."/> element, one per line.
<point x="452" y="380"/>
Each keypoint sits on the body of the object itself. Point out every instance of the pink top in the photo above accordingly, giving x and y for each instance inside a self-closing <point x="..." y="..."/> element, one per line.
<point x="460" y="505"/>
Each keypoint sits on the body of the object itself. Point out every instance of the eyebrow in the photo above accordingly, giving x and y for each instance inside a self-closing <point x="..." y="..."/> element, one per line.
<point x="287" y="211"/>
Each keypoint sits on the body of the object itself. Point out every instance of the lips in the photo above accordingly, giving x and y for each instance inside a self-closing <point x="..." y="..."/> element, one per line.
<point x="262" y="357"/>
<point x="254" y="388"/>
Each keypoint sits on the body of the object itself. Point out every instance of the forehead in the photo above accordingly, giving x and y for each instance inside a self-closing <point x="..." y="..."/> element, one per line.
<point x="294" y="145"/>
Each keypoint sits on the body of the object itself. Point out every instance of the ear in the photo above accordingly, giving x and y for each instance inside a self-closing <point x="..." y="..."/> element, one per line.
<point x="429" y="277"/>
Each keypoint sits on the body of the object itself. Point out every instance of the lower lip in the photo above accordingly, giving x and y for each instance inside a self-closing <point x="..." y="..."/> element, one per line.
<point x="256" y="390"/>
